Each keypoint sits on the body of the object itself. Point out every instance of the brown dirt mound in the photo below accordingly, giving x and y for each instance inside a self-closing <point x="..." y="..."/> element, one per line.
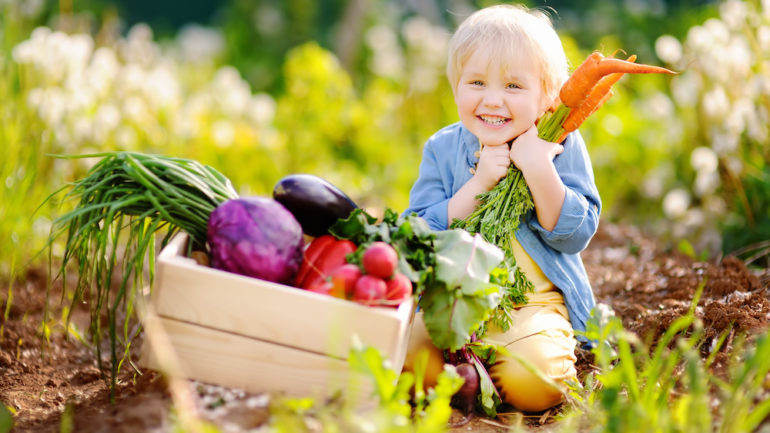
<point x="647" y="286"/>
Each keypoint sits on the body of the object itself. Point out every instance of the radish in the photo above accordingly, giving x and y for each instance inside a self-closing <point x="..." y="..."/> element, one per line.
<point x="380" y="259"/>
<point x="344" y="280"/>
<point x="399" y="288"/>
<point x="369" y="290"/>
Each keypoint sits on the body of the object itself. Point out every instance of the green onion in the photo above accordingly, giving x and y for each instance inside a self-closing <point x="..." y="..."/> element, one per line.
<point x="122" y="202"/>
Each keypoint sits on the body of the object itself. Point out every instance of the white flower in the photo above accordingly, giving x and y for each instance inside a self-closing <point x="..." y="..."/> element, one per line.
<point x="416" y="30"/>
<point x="686" y="88"/>
<point x="723" y="142"/>
<point x="135" y="109"/>
<point x="763" y="37"/>
<point x="102" y="71"/>
<point x="694" y="218"/>
<point x="733" y="13"/>
<point x="699" y="39"/>
<point x="200" y="44"/>
<point x="706" y="183"/>
<point x="35" y="97"/>
<point x="232" y="92"/>
<point x="704" y="159"/>
<point x="106" y="120"/>
<point x="262" y="109"/>
<point x="222" y="133"/>
<point x="381" y="37"/>
<point x="79" y="48"/>
<point x="161" y="87"/>
<point x="423" y="79"/>
<point x="668" y="49"/>
<point x="676" y="202"/>
<point x="738" y="57"/>
<point x="658" y="106"/>
<point x="138" y="46"/>
<point x="387" y="63"/>
<point x="125" y="137"/>
<point x="719" y="32"/>
<point x="652" y="186"/>
<point x="715" y="103"/>
<point x="82" y="129"/>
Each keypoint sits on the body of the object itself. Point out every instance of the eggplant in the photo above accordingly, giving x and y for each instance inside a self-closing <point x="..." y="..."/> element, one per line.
<point x="314" y="202"/>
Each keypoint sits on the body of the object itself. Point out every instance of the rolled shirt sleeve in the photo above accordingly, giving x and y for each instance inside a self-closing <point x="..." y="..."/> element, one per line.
<point x="579" y="217"/>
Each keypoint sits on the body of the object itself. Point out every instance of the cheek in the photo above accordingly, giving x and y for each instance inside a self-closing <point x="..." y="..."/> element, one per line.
<point x="465" y="104"/>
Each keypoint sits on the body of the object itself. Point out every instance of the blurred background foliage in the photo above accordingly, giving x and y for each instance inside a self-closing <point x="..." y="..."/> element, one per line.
<point x="350" y="90"/>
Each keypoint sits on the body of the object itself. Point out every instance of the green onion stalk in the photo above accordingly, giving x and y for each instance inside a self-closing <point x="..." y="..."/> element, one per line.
<point x="498" y="215"/>
<point x="122" y="202"/>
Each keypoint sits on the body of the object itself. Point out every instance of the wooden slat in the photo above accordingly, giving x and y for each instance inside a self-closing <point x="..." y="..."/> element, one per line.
<point x="232" y="360"/>
<point x="274" y="312"/>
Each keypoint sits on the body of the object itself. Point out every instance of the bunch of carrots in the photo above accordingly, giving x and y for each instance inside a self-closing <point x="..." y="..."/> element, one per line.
<point x="498" y="214"/>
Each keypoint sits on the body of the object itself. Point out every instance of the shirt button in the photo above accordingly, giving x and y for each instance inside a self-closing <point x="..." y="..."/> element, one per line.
<point x="472" y="170"/>
<point x="477" y="154"/>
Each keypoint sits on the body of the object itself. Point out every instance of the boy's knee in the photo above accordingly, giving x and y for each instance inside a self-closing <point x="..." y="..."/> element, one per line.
<point x="527" y="390"/>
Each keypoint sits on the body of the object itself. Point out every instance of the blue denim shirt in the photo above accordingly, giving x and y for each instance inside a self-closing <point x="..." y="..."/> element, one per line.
<point x="447" y="159"/>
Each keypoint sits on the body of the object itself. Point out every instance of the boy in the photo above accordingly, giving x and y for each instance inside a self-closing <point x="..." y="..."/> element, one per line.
<point x="506" y="65"/>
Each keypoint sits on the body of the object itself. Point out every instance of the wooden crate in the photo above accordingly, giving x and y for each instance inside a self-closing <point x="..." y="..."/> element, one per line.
<point x="252" y="334"/>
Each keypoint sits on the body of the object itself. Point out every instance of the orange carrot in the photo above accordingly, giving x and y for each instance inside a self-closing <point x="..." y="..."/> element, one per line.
<point x="585" y="77"/>
<point x="601" y="92"/>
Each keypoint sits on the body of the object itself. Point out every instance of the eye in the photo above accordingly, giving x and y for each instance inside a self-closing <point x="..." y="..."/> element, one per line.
<point x="477" y="83"/>
<point x="513" y="86"/>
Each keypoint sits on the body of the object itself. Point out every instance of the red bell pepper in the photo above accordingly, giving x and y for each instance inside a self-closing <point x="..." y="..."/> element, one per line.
<point x="324" y="254"/>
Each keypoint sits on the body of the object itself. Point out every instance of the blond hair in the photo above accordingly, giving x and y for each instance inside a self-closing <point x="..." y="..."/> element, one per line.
<point x="514" y="34"/>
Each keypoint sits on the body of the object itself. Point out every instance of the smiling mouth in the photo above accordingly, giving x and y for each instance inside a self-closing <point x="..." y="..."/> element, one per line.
<point x="493" y="120"/>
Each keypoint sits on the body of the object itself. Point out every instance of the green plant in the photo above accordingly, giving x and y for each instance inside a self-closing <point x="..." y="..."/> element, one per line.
<point x="668" y="387"/>
<point x="403" y="405"/>
<point x="120" y="205"/>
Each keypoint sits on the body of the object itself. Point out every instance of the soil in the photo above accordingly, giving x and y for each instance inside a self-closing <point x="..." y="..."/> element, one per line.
<point x="54" y="385"/>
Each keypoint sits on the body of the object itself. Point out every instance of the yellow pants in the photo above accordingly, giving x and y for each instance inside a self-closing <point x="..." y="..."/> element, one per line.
<point x="541" y="335"/>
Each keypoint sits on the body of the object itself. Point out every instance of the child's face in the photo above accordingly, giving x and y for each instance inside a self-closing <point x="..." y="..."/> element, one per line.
<point x="498" y="104"/>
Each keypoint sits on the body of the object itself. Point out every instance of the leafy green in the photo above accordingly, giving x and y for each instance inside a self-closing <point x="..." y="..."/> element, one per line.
<point x="410" y="236"/>
<point x="489" y="398"/>
<point x="464" y="261"/>
<point x="460" y="297"/>
<point x="450" y="268"/>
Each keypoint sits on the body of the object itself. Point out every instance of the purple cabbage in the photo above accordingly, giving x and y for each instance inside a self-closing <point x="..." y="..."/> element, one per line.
<point x="256" y="237"/>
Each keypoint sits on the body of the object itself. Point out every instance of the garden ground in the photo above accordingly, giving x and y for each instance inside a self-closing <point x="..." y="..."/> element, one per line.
<point x="647" y="285"/>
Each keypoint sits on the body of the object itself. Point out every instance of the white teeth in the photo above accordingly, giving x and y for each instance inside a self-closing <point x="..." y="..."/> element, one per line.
<point x="493" y="120"/>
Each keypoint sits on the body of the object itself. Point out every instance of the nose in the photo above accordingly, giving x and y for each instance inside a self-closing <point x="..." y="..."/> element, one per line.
<point x="492" y="98"/>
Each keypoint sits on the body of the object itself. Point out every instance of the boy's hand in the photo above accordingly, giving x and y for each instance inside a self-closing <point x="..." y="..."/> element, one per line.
<point x="493" y="165"/>
<point x="529" y="151"/>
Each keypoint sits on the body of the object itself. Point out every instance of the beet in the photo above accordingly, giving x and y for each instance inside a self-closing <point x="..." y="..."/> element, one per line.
<point x="465" y="398"/>
<point x="256" y="237"/>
